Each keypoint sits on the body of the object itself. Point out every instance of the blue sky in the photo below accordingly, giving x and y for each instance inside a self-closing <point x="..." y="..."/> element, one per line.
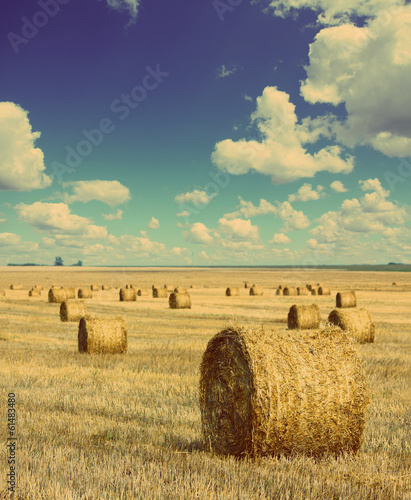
<point x="220" y="132"/>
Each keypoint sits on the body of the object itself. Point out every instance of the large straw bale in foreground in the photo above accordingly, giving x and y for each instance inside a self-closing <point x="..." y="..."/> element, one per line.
<point x="304" y="317"/>
<point x="102" y="335"/>
<point x="180" y="289"/>
<point x="289" y="290"/>
<point x="179" y="301"/>
<point x="72" y="311"/>
<point x="256" y="290"/>
<point x="357" y="323"/>
<point x="57" y="295"/>
<point x="160" y="293"/>
<point x="127" y="295"/>
<point x="302" y="290"/>
<point x="323" y="290"/>
<point x="16" y="287"/>
<point x="232" y="291"/>
<point x="346" y="299"/>
<point x="269" y="393"/>
<point x="85" y="293"/>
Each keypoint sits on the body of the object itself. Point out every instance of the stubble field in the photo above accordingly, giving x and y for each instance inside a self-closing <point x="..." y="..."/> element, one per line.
<point x="128" y="426"/>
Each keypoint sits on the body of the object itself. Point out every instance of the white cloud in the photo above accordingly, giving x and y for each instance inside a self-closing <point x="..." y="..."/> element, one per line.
<point x="345" y="68"/>
<point x="140" y="246"/>
<point x="21" y="163"/>
<point x="333" y="11"/>
<point x="199" y="233"/>
<point x="238" y="229"/>
<point x="110" y="192"/>
<point x="184" y="213"/>
<point x="280" y="239"/>
<point x="248" y="98"/>
<point x="307" y="193"/>
<point x="293" y="219"/>
<point x="280" y="154"/>
<point x="117" y="216"/>
<point x="131" y="5"/>
<point x="57" y="218"/>
<point x="153" y="224"/>
<point x="196" y="197"/>
<point x="9" y="239"/>
<point x="248" y="209"/>
<point x="338" y="187"/>
<point x="203" y="255"/>
<point x="223" y="71"/>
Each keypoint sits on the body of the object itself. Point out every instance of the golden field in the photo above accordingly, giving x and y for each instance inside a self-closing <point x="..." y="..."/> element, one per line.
<point x="128" y="426"/>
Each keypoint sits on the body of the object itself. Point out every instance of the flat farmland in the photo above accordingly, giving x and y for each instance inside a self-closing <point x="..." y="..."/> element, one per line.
<point x="128" y="426"/>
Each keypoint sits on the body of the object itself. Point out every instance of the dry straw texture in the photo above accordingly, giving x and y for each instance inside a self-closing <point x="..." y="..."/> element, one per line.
<point x="94" y="288"/>
<point x="302" y="290"/>
<point x="289" y="290"/>
<point x="323" y="290"/>
<point x="180" y="289"/>
<point x="179" y="301"/>
<point x="72" y="311"/>
<point x="34" y="292"/>
<point x="232" y="291"/>
<point x="16" y="287"/>
<point x="57" y="295"/>
<point x="356" y="322"/>
<point x="346" y="299"/>
<point x="142" y="292"/>
<point x="304" y="317"/>
<point x="85" y="293"/>
<point x="279" y="291"/>
<point x="270" y="393"/>
<point x="127" y="295"/>
<point x="102" y="335"/>
<point x="70" y="292"/>
<point x="160" y="293"/>
<point x="256" y="290"/>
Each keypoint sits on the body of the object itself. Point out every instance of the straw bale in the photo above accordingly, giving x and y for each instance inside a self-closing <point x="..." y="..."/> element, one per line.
<point x="314" y="291"/>
<point x="394" y="283"/>
<point x="127" y="295"/>
<point x="179" y="301"/>
<point x="232" y="291"/>
<point x="71" y="293"/>
<point x="85" y="293"/>
<point x="346" y="299"/>
<point x="142" y="292"/>
<point x="169" y="288"/>
<point x="57" y="295"/>
<point x="160" y="293"/>
<point x="303" y="317"/>
<point x="34" y="292"/>
<point x="72" y="311"/>
<point x="271" y="393"/>
<point x="180" y="289"/>
<point x="94" y="288"/>
<point x="105" y="287"/>
<point x="323" y="290"/>
<point x="278" y="291"/>
<point x="102" y="335"/>
<point x="247" y="284"/>
<point x="302" y="290"/>
<point x="357" y="323"/>
<point x="256" y="290"/>
<point x="289" y="290"/>
<point x="16" y="287"/>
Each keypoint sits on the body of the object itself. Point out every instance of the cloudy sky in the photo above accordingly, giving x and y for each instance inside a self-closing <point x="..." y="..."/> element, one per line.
<point x="145" y="132"/>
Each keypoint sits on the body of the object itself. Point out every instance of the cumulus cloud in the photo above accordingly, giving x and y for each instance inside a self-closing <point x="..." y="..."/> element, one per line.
<point x="9" y="239"/>
<point x="248" y="209"/>
<point x="307" y="193"/>
<point x="21" y="163"/>
<point x="117" y="216"/>
<point x="280" y="154"/>
<point x="153" y="224"/>
<point x="139" y="245"/>
<point x="338" y="187"/>
<point x="203" y="255"/>
<point x="238" y="229"/>
<point x="224" y="72"/>
<point x="196" y="197"/>
<point x="199" y="233"/>
<point x="57" y="218"/>
<point x="131" y="5"/>
<point x="333" y="12"/>
<point x="280" y="239"/>
<point x="345" y="68"/>
<point x="112" y="193"/>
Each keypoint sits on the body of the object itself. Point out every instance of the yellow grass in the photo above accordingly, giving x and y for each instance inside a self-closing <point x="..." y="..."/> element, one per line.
<point x="126" y="427"/>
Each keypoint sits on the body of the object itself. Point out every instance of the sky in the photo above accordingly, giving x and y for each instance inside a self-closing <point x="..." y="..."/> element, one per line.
<point x="221" y="132"/>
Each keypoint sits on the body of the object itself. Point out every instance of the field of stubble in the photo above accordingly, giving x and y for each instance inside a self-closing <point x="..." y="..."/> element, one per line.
<point x="128" y="426"/>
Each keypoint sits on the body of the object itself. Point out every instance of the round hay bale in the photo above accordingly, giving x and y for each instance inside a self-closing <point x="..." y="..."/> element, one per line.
<point x="289" y="290"/>
<point x="102" y="335"/>
<point x="94" y="288"/>
<point x="34" y="292"/>
<point x="160" y="293"/>
<point x="247" y="284"/>
<point x="394" y="283"/>
<point x="346" y="299"/>
<point x="302" y="317"/>
<point x="16" y="287"/>
<point x="105" y="287"/>
<point x="72" y="311"/>
<point x="179" y="301"/>
<point x="314" y="291"/>
<point x="180" y="289"/>
<point x="154" y="286"/>
<point x="127" y="295"/>
<point x="70" y="292"/>
<point x="302" y="290"/>
<point x="323" y="290"/>
<point x="142" y="292"/>
<point x="278" y="291"/>
<point x="256" y="290"/>
<point x="232" y="291"/>
<point x="169" y="288"/>
<point x="309" y="287"/>
<point x="57" y="295"/>
<point x="356" y="322"/>
<point x="85" y="293"/>
<point x="270" y="393"/>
